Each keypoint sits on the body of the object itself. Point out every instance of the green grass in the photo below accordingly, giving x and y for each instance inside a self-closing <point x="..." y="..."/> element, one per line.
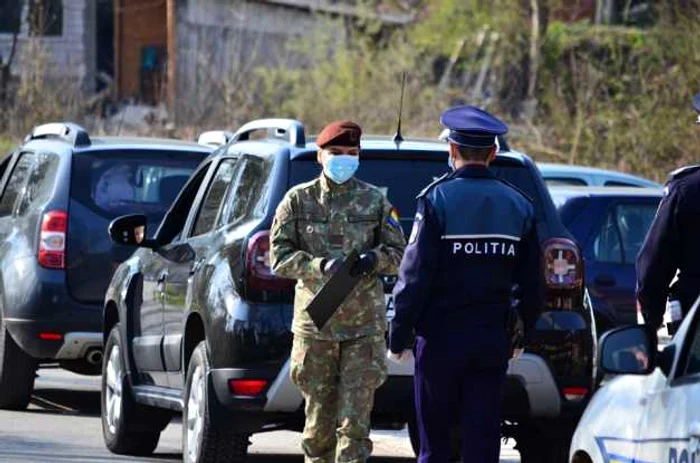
<point x="6" y="145"/>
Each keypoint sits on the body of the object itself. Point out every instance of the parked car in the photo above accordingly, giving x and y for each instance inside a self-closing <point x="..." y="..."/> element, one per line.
<point x="195" y="321"/>
<point x="566" y="174"/>
<point x="610" y="225"/>
<point x="649" y="411"/>
<point x="59" y="190"/>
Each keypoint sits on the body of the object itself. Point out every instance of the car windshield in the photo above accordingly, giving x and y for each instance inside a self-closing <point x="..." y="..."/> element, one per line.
<point x="114" y="183"/>
<point x="402" y="179"/>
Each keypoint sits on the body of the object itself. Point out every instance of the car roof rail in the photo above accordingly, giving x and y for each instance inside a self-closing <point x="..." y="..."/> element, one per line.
<point x="215" y="138"/>
<point x="290" y="130"/>
<point x="66" y="131"/>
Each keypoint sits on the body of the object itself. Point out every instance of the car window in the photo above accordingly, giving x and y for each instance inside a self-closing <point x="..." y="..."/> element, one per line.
<point x="402" y="179"/>
<point x="247" y="196"/>
<point x="175" y="220"/>
<point x="692" y="365"/>
<point x="567" y="181"/>
<point x="113" y="183"/>
<point x="634" y="221"/>
<point x="622" y="184"/>
<point x="623" y="232"/>
<point x="41" y="182"/>
<point x="225" y="174"/>
<point x="16" y="183"/>
<point x="607" y="246"/>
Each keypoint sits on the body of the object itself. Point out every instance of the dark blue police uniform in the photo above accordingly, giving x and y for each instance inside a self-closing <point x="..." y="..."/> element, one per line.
<point x="473" y="238"/>
<point x="672" y="244"/>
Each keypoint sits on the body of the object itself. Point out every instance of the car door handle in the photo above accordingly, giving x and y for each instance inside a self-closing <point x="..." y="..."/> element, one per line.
<point x="605" y="280"/>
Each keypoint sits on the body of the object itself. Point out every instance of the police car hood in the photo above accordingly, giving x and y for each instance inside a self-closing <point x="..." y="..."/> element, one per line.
<point x="610" y="423"/>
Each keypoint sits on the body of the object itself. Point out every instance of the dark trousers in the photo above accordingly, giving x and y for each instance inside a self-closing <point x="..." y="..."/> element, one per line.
<point x="456" y="382"/>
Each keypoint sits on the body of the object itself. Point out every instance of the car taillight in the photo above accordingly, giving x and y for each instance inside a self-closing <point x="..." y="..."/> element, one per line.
<point x="260" y="276"/>
<point x="52" y="240"/>
<point x="563" y="274"/>
<point x="562" y="264"/>
<point x="250" y="387"/>
<point x="574" y="393"/>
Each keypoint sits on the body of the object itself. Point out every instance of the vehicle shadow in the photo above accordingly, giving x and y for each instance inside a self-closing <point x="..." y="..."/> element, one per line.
<point x="63" y="401"/>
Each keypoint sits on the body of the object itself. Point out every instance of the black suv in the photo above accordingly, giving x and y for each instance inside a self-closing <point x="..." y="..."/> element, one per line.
<point x="196" y="322"/>
<point x="58" y="192"/>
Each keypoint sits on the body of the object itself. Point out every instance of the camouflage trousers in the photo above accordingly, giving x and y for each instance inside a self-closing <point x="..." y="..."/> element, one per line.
<point x="338" y="380"/>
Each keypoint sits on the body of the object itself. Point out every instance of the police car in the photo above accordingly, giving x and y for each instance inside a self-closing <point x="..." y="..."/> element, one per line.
<point x="651" y="411"/>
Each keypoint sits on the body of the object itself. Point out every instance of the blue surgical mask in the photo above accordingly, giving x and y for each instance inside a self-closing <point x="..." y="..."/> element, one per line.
<point x="341" y="167"/>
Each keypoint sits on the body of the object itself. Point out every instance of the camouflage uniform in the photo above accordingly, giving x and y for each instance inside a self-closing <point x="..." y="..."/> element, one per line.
<point x="338" y="368"/>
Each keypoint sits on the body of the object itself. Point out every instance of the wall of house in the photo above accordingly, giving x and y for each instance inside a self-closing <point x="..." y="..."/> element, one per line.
<point x="138" y="23"/>
<point x="216" y="39"/>
<point x="70" y="56"/>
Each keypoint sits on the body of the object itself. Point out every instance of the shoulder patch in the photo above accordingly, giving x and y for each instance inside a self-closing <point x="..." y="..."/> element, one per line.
<point x="682" y="172"/>
<point x="425" y="191"/>
<point x="525" y="195"/>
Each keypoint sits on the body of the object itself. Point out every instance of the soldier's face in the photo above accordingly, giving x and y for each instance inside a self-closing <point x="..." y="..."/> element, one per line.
<point x="335" y="150"/>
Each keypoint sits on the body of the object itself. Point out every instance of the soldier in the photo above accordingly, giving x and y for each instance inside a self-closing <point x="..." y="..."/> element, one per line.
<point x="672" y="246"/>
<point x="473" y="238"/>
<point x="339" y="367"/>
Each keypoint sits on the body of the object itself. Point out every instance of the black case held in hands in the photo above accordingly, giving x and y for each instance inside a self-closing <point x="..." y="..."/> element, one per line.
<point x="333" y="293"/>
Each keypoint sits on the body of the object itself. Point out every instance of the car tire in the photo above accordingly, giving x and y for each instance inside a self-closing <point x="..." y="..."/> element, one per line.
<point x="201" y="440"/>
<point x="128" y="428"/>
<point x="17" y="373"/>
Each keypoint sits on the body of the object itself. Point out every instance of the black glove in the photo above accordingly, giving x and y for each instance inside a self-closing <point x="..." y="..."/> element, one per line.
<point x="365" y="265"/>
<point x="330" y="266"/>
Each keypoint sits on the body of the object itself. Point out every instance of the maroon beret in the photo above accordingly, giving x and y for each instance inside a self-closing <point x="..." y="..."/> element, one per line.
<point x="339" y="133"/>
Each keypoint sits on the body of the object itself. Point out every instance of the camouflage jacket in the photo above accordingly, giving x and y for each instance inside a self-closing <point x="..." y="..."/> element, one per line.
<point x="320" y="219"/>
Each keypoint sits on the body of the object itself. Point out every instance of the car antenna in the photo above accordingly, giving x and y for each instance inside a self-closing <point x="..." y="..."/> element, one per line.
<point x="398" y="138"/>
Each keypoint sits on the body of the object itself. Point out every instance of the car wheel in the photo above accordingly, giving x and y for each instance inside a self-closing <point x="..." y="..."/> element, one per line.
<point x="17" y="373"/>
<point x="128" y="428"/>
<point x="201" y="440"/>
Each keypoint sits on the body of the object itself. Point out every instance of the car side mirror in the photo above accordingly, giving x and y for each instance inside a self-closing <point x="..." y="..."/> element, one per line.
<point x="626" y="351"/>
<point x="130" y="230"/>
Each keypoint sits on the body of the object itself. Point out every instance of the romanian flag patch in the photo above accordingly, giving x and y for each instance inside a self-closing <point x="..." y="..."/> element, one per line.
<point x="393" y="219"/>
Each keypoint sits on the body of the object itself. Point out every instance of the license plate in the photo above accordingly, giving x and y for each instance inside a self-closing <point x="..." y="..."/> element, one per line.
<point x="390" y="312"/>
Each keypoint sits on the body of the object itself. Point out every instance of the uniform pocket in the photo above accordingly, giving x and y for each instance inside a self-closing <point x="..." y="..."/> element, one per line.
<point x="364" y="363"/>
<point x="296" y="369"/>
<point x="362" y="231"/>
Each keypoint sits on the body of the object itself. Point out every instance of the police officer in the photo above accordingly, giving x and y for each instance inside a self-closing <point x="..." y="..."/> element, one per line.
<point x="339" y="367"/>
<point x="473" y="239"/>
<point x="672" y="246"/>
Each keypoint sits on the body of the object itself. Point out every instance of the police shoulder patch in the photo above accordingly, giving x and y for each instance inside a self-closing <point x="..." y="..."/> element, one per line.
<point x="433" y="184"/>
<point x="416" y="226"/>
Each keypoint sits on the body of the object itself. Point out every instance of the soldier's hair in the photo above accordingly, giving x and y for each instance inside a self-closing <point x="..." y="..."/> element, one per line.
<point x="474" y="154"/>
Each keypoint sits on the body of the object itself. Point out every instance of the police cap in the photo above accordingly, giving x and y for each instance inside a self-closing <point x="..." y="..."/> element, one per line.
<point x="472" y="127"/>
<point x="339" y="133"/>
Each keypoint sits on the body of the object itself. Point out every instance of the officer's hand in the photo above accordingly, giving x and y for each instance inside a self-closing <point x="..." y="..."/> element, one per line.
<point x="400" y="358"/>
<point x="330" y="266"/>
<point x="365" y="265"/>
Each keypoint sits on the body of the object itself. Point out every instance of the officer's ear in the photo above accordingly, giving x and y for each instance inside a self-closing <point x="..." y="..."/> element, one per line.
<point x="494" y="152"/>
<point x="319" y="156"/>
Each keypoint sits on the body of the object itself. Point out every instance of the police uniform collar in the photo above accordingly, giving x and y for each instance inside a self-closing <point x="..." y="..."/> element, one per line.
<point x="473" y="171"/>
<point x="329" y="186"/>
